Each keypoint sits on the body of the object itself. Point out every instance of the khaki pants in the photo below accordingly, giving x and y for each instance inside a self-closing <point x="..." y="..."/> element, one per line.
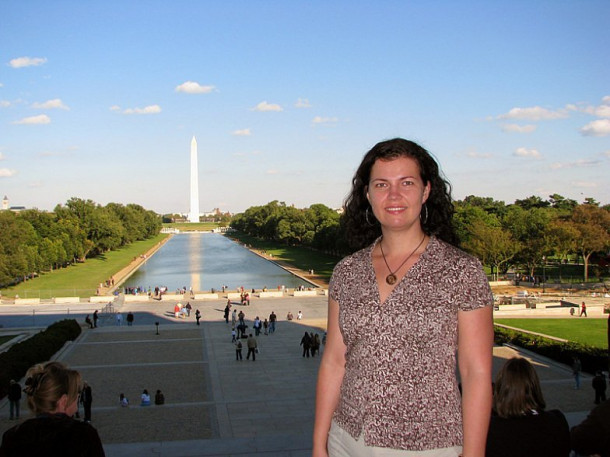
<point x="341" y="444"/>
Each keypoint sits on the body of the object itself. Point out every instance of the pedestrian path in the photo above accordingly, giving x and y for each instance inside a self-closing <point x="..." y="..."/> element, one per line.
<point x="215" y="405"/>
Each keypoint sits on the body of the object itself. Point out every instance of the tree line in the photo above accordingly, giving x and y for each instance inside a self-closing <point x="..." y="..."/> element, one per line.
<point x="523" y="235"/>
<point x="34" y="241"/>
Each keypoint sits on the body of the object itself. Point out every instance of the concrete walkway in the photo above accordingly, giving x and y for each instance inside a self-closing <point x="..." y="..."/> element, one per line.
<point x="215" y="405"/>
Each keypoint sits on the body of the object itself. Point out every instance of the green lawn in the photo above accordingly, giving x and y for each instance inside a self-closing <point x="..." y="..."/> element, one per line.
<point x="592" y="332"/>
<point x="299" y="257"/>
<point x="81" y="279"/>
<point x="192" y="226"/>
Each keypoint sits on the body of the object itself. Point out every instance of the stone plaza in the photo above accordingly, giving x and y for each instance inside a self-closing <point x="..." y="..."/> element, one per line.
<point x="215" y="405"/>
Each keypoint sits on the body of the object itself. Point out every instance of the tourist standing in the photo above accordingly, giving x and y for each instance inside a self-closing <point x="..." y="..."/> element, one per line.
<point x="129" y="318"/>
<point x="197" y="316"/>
<point x="306" y="343"/>
<point x="576" y="369"/>
<point x="119" y="318"/>
<point x="238" y="348"/>
<point x="86" y="398"/>
<point x="251" y="342"/>
<point x="379" y="387"/>
<point x="227" y="314"/>
<point x="272" y="319"/>
<point x="266" y="326"/>
<point x="599" y="385"/>
<point x="95" y="318"/>
<point x="14" y="398"/>
<point x="583" y="309"/>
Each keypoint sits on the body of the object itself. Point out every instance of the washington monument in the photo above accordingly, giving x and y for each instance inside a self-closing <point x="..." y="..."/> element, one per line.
<point x="194" y="211"/>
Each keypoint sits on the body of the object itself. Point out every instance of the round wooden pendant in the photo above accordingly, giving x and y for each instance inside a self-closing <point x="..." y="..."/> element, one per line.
<point x="390" y="279"/>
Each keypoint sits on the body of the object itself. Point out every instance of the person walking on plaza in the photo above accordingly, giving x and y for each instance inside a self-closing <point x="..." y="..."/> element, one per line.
<point x="241" y="317"/>
<point x="197" y="316"/>
<point x="251" y="348"/>
<point x="397" y="390"/>
<point x="272" y="319"/>
<point x="129" y="319"/>
<point x="583" y="309"/>
<point x="238" y="348"/>
<point x="266" y="326"/>
<point x="234" y="317"/>
<point x="599" y="385"/>
<point x="14" y="398"/>
<point x="576" y="369"/>
<point x="86" y="398"/>
<point x="226" y="314"/>
<point x="95" y="318"/>
<point x="119" y="319"/>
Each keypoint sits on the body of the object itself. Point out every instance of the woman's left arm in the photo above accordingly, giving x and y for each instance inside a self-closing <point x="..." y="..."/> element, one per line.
<point x="475" y="355"/>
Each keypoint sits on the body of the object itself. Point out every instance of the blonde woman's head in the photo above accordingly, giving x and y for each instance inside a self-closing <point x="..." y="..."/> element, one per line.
<point x="51" y="387"/>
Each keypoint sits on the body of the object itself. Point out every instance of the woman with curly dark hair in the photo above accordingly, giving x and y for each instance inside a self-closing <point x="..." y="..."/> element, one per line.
<point x="399" y="310"/>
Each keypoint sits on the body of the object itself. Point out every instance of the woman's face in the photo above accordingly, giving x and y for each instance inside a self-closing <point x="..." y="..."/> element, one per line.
<point x="396" y="193"/>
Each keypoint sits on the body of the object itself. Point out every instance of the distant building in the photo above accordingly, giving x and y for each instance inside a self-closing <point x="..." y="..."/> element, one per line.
<point x="6" y="207"/>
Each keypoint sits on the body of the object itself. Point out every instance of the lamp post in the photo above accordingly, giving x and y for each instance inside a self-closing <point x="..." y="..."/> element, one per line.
<point x="157" y="325"/>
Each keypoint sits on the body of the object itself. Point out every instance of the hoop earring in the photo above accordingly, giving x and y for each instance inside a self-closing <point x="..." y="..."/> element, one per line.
<point x="425" y="218"/>
<point x="366" y="216"/>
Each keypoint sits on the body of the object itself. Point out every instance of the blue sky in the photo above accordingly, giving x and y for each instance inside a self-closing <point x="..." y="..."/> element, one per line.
<point x="100" y="100"/>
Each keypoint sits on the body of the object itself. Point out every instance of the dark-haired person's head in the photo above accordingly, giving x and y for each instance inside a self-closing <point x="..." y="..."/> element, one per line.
<point x="517" y="389"/>
<point x="436" y="218"/>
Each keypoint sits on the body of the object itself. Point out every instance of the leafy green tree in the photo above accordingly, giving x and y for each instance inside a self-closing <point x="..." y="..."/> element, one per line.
<point x="493" y="245"/>
<point x="593" y="225"/>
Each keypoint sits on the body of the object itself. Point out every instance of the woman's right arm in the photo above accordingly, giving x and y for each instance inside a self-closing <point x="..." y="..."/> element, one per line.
<point x="330" y="376"/>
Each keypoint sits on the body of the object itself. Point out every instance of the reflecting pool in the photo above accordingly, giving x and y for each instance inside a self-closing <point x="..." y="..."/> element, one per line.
<point x="209" y="260"/>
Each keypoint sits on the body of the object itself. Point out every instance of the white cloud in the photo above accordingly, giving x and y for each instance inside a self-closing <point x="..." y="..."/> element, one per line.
<point x="192" y="87"/>
<point x="324" y="120"/>
<point x="115" y="108"/>
<point x="302" y="103"/>
<point x="515" y="128"/>
<point x="534" y="113"/>
<point x="264" y="106"/>
<point x="524" y="152"/>
<point x="242" y="132"/>
<point x="599" y="127"/>
<point x="578" y="164"/>
<point x="4" y="103"/>
<point x="32" y="120"/>
<point x="7" y="173"/>
<point x="55" y="103"/>
<point x="21" y="62"/>
<point x="151" y="109"/>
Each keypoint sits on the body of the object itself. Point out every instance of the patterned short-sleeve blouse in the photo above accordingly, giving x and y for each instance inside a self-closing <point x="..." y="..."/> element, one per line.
<point x="400" y="388"/>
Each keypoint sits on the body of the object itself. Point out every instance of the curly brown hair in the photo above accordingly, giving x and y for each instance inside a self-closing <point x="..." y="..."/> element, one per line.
<point x="437" y="217"/>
